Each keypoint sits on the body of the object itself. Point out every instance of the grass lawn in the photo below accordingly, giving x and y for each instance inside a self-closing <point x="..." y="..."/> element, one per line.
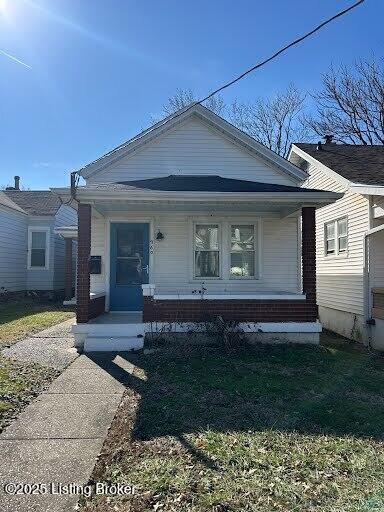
<point x="20" y="318"/>
<point x="271" y="429"/>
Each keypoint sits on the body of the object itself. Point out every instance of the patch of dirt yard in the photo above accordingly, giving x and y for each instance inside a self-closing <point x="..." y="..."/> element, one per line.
<point x="288" y="429"/>
<point x="19" y="384"/>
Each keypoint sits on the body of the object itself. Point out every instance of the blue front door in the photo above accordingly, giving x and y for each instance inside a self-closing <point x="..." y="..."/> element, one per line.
<point x="129" y="265"/>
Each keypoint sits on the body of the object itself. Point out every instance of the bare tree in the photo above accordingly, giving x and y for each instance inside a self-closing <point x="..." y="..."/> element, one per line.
<point x="350" y="105"/>
<point x="185" y="97"/>
<point x="182" y="98"/>
<point x="275" y="122"/>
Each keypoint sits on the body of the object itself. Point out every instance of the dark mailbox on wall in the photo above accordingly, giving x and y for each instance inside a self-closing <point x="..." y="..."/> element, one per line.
<point x="95" y="265"/>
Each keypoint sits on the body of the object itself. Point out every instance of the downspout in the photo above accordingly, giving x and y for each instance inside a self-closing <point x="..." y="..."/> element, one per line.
<point x="74" y="183"/>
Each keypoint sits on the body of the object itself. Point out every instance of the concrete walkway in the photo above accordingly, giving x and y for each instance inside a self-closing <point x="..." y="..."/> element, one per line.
<point x="58" y="437"/>
<point x="52" y="347"/>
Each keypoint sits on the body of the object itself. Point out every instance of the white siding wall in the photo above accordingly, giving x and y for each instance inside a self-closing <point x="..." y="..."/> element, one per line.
<point x="191" y="148"/>
<point x="99" y="248"/>
<point x="340" y="279"/>
<point x="65" y="216"/>
<point x="171" y="264"/>
<point x="13" y="249"/>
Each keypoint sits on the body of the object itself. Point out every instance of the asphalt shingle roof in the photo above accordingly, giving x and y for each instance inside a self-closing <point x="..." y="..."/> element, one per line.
<point x="357" y="163"/>
<point x="200" y="184"/>
<point x="35" y="202"/>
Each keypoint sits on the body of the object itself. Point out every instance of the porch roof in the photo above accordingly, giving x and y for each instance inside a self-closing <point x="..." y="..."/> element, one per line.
<point x="67" y="231"/>
<point x="195" y="183"/>
<point x="200" y="189"/>
<point x="199" y="193"/>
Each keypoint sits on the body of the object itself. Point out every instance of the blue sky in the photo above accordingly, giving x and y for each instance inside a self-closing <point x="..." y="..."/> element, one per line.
<point x="99" y="69"/>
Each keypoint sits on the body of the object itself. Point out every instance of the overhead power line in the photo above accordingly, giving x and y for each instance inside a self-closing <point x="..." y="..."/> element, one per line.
<point x="279" y="52"/>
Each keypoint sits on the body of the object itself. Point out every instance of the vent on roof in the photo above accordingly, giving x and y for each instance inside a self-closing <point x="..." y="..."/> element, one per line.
<point x="17" y="184"/>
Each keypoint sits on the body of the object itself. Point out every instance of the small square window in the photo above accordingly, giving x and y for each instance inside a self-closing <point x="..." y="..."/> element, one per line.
<point x="336" y="237"/>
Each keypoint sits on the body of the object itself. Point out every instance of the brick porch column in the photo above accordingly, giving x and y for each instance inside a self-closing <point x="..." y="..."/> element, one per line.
<point x="83" y="254"/>
<point x="309" y="256"/>
<point x="68" y="269"/>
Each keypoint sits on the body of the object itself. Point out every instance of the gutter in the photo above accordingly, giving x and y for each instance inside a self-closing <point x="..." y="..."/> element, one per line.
<point x="139" y="194"/>
<point x="370" y="190"/>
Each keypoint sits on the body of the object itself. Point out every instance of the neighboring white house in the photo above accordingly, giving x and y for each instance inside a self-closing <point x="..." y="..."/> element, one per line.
<point x="194" y="205"/>
<point x="350" y="237"/>
<point x="32" y="255"/>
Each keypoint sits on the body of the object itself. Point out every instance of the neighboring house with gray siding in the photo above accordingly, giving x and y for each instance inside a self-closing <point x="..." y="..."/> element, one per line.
<point x="349" y="236"/>
<point x="31" y="252"/>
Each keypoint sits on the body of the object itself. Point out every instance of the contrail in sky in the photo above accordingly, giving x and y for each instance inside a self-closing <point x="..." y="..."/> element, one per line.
<point x="15" y="59"/>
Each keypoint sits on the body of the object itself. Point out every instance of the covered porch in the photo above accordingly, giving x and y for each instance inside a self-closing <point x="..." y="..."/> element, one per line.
<point x="179" y="256"/>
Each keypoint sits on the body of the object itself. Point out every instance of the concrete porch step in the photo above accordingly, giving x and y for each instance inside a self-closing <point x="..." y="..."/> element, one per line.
<point x="112" y="343"/>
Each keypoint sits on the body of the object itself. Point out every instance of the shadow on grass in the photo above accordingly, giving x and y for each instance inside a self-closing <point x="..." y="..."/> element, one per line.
<point x="312" y="390"/>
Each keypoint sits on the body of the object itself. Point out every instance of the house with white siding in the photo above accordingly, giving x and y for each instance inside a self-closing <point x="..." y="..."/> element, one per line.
<point x="189" y="220"/>
<point x="32" y="254"/>
<point x="349" y="236"/>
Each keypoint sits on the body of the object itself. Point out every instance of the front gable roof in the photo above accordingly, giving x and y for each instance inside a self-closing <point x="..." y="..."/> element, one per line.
<point x="211" y="119"/>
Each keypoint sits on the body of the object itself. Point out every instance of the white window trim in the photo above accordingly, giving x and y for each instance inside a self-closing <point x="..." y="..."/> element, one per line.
<point x="33" y="229"/>
<point x="336" y="254"/>
<point x="225" y="248"/>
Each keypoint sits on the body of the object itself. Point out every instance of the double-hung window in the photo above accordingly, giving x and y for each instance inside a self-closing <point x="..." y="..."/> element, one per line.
<point x="336" y="237"/>
<point x="243" y="262"/>
<point x="225" y="250"/>
<point x="207" y="262"/>
<point x="38" y="240"/>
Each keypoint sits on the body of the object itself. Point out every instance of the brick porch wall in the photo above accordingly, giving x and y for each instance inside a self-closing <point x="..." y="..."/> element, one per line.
<point x="249" y="310"/>
<point x="68" y="269"/>
<point x="308" y="255"/>
<point x="96" y="307"/>
<point x="83" y="254"/>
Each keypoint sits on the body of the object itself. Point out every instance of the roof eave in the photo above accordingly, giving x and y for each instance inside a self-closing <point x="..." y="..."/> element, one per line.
<point x="368" y="190"/>
<point x="318" y="197"/>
